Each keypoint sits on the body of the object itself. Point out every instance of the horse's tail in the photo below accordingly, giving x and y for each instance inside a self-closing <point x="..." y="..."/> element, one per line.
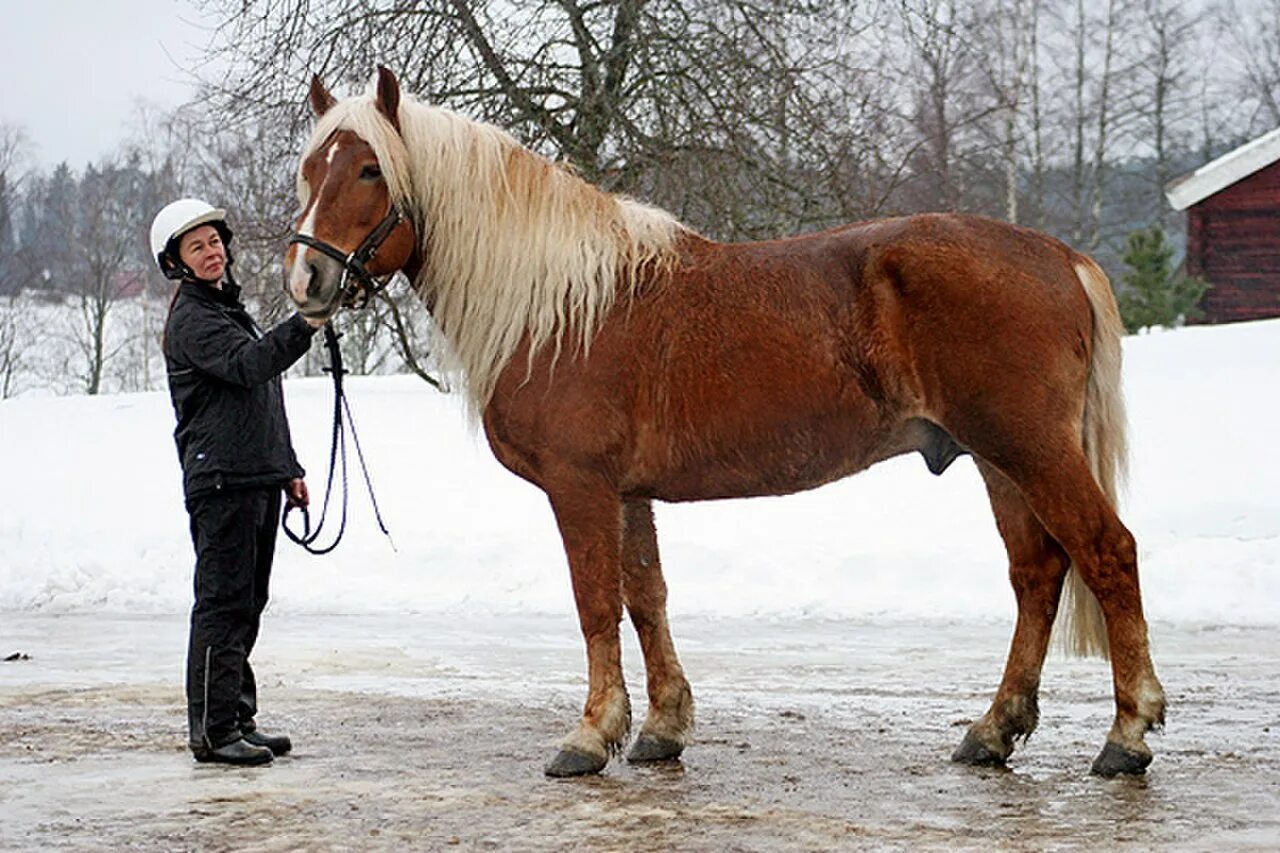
<point x="1081" y="628"/>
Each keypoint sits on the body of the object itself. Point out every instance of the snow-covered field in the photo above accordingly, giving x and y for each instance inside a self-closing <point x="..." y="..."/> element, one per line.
<point x="91" y="515"/>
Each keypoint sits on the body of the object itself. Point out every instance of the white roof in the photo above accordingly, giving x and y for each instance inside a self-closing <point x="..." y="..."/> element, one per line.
<point x="1221" y="173"/>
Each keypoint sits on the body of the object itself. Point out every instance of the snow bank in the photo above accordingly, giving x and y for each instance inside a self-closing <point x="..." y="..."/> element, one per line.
<point x="91" y="513"/>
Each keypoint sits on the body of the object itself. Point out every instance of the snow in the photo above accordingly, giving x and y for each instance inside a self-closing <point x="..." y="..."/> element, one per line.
<point x="91" y="515"/>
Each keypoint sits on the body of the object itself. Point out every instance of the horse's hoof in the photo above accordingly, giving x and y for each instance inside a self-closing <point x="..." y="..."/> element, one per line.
<point x="973" y="751"/>
<point x="1116" y="759"/>
<point x="570" y="762"/>
<point x="651" y="748"/>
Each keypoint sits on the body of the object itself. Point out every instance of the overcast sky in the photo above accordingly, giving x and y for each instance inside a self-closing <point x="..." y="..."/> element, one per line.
<point x="72" y="72"/>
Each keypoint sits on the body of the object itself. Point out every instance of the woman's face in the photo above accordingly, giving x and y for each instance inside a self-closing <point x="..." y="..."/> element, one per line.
<point x="202" y="251"/>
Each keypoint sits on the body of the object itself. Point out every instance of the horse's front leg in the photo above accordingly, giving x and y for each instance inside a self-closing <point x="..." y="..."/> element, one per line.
<point x="590" y="523"/>
<point x="669" y="723"/>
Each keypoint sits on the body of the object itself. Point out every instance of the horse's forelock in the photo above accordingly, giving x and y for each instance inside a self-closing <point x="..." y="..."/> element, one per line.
<point x="360" y="115"/>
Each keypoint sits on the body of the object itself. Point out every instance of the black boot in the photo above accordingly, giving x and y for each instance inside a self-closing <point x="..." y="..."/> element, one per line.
<point x="236" y="752"/>
<point x="278" y="744"/>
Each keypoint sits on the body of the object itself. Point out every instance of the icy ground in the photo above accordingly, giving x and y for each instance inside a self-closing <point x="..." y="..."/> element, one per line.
<point x="430" y="732"/>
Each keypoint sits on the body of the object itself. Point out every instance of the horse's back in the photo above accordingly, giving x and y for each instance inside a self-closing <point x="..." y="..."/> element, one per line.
<point x="916" y="314"/>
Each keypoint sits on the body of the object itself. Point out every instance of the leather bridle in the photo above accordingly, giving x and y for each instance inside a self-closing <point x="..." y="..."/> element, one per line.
<point x="357" y="282"/>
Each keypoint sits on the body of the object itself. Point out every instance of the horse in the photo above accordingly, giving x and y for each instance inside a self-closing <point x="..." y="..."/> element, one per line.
<point x="616" y="357"/>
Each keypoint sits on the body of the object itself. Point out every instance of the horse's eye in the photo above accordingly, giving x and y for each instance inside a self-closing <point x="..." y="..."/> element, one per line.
<point x="371" y="172"/>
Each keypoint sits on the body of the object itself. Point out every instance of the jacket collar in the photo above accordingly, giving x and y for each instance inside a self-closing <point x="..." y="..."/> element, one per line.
<point x="228" y="295"/>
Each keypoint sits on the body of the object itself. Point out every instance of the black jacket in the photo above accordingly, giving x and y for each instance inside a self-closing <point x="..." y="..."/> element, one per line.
<point x="224" y="379"/>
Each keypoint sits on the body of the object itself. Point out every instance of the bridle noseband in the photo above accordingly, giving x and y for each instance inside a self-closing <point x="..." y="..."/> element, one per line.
<point x="365" y="284"/>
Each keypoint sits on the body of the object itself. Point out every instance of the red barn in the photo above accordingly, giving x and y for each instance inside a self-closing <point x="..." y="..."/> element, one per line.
<point x="1233" y="230"/>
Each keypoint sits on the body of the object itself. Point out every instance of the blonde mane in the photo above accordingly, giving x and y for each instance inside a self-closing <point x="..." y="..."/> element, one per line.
<point x="513" y="244"/>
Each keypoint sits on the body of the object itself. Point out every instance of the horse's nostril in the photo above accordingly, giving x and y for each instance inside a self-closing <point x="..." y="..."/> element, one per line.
<point x="313" y="281"/>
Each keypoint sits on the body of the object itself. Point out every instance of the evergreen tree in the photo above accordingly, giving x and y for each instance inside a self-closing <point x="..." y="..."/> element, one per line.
<point x="47" y="230"/>
<point x="1152" y="292"/>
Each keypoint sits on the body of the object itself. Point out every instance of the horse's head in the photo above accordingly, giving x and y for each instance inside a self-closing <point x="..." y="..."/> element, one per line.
<point x="350" y="237"/>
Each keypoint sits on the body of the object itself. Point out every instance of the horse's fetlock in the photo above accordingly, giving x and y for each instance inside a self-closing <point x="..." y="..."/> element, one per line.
<point x="1151" y="704"/>
<point x="1018" y="716"/>
<point x="586" y="740"/>
<point x="671" y="714"/>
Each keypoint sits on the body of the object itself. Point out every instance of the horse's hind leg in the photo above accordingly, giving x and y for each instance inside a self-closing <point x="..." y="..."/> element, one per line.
<point x="590" y="522"/>
<point x="1037" y="566"/>
<point x="669" y="722"/>
<point x="1059" y="487"/>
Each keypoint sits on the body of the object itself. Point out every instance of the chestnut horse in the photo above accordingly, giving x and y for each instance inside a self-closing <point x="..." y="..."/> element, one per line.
<point x="616" y="357"/>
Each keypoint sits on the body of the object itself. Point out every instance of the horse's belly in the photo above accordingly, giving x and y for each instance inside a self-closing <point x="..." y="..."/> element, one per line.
<point x="791" y="461"/>
<point x="708" y="486"/>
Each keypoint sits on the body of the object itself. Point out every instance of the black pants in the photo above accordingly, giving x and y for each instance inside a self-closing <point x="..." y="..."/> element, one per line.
<point x="235" y="537"/>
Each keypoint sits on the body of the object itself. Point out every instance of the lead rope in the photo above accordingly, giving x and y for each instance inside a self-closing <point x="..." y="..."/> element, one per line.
<point x="342" y="422"/>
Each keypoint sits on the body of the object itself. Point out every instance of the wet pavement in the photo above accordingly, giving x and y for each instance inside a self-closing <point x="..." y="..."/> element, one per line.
<point x="430" y="732"/>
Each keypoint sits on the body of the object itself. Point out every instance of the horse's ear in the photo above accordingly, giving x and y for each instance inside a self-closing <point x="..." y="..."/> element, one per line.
<point x="321" y="100"/>
<point x="389" y="96"/>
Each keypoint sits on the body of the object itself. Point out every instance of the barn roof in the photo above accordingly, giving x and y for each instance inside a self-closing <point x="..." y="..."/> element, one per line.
<point x="1221" y="173"/>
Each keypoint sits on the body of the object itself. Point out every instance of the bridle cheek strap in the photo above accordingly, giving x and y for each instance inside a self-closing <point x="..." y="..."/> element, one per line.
<point x="365" y="284"/>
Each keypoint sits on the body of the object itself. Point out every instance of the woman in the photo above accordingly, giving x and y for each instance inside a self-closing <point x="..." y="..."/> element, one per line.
<point x="237" y="458"/>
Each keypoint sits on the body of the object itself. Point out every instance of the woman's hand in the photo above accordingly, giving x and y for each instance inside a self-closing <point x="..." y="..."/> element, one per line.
<point x="296" y="493"/>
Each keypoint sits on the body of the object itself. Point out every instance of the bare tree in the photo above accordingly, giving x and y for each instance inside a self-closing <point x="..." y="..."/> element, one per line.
<point x="1165" y="101"/>
<point x="1103" y="127"/>
<point x="746" y="118"/>
<point x="107" y="245"/>
<point x="1010" y="27"/>
<point x="13" y="148"/>
<point x="1091" y="113"/>
<point x="642" y="96"/>
<point x="940" y="58"/>
<point x="1035" y="117"/>
<point x="11" y="345"/>
<point x="1252" y="28"/>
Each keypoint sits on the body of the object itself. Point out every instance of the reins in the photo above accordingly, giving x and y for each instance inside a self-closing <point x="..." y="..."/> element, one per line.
<point x="342" y="422"/>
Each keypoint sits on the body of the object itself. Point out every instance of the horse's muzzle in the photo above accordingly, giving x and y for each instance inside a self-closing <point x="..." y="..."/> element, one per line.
<point x="314" y="283"/>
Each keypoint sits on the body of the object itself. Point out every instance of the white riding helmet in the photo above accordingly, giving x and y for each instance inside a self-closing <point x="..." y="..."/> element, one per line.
<point x="176" y="219"/>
